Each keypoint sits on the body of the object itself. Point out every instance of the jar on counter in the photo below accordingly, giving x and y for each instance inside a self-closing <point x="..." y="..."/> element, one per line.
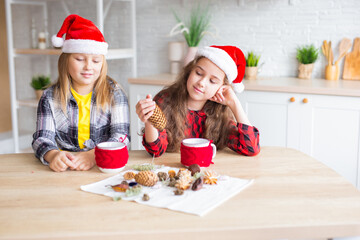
<point x="42" y="40"/>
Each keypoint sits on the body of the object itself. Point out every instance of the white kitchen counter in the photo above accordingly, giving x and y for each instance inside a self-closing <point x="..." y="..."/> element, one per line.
<point x="275" y="84"/>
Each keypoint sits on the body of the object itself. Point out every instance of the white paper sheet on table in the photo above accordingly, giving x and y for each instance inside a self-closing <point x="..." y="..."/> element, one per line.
<point x="194" y="202"/>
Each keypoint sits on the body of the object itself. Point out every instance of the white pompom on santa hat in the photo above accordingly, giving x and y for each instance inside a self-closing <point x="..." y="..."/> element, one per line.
<point x="230" y="59"/>
<point x="82" y="36"/>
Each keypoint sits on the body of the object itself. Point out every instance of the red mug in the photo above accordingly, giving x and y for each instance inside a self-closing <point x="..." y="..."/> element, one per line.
<point x="111" y="157"/>
<point x="199" y="151"/>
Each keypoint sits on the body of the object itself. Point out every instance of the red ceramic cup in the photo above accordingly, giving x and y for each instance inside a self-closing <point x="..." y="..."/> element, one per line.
<point x="199" y="151"/>
<point x="111" y="157"/>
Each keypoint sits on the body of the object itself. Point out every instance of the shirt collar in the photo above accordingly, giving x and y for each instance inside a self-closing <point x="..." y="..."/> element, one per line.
<point x="200" y="113"/>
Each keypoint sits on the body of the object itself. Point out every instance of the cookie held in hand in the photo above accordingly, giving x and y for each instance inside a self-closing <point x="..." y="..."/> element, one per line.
<point x="158" y="119"/>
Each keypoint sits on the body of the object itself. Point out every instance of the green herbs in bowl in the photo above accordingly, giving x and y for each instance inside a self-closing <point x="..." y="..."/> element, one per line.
<point x="40" y="82"/>
<point x="252" y="60"/>
<point x="307" y="54"/>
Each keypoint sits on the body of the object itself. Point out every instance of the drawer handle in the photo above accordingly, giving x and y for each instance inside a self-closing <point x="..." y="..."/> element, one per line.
<point x="292" y="99"/>
<point x="305" y="100"/>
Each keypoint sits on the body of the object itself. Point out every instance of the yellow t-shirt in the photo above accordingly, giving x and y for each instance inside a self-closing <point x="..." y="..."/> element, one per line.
<point x="84" y="103"/>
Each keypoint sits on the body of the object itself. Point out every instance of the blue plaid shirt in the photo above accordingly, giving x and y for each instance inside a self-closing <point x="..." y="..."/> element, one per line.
<point x="55" y="130"/>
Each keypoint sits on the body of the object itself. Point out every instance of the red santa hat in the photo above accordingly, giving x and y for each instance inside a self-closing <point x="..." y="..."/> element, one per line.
<point x="82" y="36"/>
<point x="230" y="59"/>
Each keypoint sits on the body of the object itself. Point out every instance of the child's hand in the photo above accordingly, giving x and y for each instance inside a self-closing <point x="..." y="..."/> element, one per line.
<point x="145" y="108"/>
<point x="225" y="95"/>
<point x="84" y="160"/>
<point x="59" y="161"/>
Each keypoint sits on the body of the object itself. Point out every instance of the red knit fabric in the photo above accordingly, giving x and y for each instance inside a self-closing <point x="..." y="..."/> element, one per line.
<point x="196" y="155"/>
<point x="111" y="159"/>
<point x="78" y="28"/>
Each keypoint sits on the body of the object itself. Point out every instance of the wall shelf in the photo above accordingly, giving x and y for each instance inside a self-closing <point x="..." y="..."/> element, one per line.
<point x="28" y="103"/>
<point x="30" y="51"/>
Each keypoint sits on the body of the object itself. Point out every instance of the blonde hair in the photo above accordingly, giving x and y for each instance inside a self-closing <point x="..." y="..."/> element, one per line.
<point x="104" y="85"/>
<point x="175" y="109"/>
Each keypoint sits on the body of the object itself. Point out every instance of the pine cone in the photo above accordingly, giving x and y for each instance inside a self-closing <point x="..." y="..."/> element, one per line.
<point x="158" y="119"/>
<point x="146" y="178"/>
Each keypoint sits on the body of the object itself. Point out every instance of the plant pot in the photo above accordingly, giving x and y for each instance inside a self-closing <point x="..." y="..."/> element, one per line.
<point x="38" y="94"/>
<point x="251" y="73"/>
<point x="305" y="70"/>
<point x="332" y="72"/>
<point x="190" y="55"/>
<point x="175" y="55"/>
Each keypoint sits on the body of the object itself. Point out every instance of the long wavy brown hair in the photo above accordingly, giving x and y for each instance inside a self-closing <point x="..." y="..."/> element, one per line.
<point x="103" y="85"/>
<point x="175" y="110"/>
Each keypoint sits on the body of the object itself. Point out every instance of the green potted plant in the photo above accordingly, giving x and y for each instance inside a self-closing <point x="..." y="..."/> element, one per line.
<point x="193" y="30"/>
<point x="306" y="55"/>
<point x="252" y="62"/>
<point x="39" y="83"/>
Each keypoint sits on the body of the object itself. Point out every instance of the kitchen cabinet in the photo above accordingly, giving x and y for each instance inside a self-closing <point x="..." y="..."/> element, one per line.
<point x="102" y="8"/>
<point x="325" y="127"/>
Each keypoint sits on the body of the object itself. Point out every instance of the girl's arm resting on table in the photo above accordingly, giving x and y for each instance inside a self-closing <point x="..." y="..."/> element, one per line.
<point x="84" y="160"/>
<point x="44" y="136"/>
<point x="41" y="146"/>
<point x="244" y="139"/>
<point x="60" y="161"/>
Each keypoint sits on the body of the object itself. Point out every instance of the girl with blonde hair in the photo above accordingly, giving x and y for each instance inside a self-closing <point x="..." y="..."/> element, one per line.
<point x="85" y="106"/>
<point x="202" y="104"/>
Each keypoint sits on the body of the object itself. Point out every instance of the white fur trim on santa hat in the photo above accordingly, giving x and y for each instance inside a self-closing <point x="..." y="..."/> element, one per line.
<point x="84" y="46"/>
<point x="222" y="59"/>
<point x="57" y="41"/>
<point x="238" y="87"/>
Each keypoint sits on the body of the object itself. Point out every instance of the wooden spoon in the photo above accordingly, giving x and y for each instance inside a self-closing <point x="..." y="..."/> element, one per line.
<point x="330" y="54"/>
<point x="325" y="50"/>
<point x="344" y="47"/>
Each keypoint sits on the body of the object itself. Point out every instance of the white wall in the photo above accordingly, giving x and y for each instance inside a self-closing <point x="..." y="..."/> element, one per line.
<point x="272" y="28"/>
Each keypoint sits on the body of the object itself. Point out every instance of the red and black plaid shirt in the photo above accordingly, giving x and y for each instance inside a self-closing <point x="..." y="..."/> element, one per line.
<point x="243" y="139"/>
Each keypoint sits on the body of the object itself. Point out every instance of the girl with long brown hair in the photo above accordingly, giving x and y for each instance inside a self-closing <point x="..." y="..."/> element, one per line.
<point x="85" y="106"/>
<point x="202" y="104"/>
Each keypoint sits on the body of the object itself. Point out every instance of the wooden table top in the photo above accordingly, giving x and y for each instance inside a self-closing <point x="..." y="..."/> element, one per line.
<point x="293" y="197"/>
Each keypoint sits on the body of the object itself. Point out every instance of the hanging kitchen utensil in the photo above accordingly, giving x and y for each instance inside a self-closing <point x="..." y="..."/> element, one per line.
<point x="344" y="47"/>
<point x="352" y="62"/>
